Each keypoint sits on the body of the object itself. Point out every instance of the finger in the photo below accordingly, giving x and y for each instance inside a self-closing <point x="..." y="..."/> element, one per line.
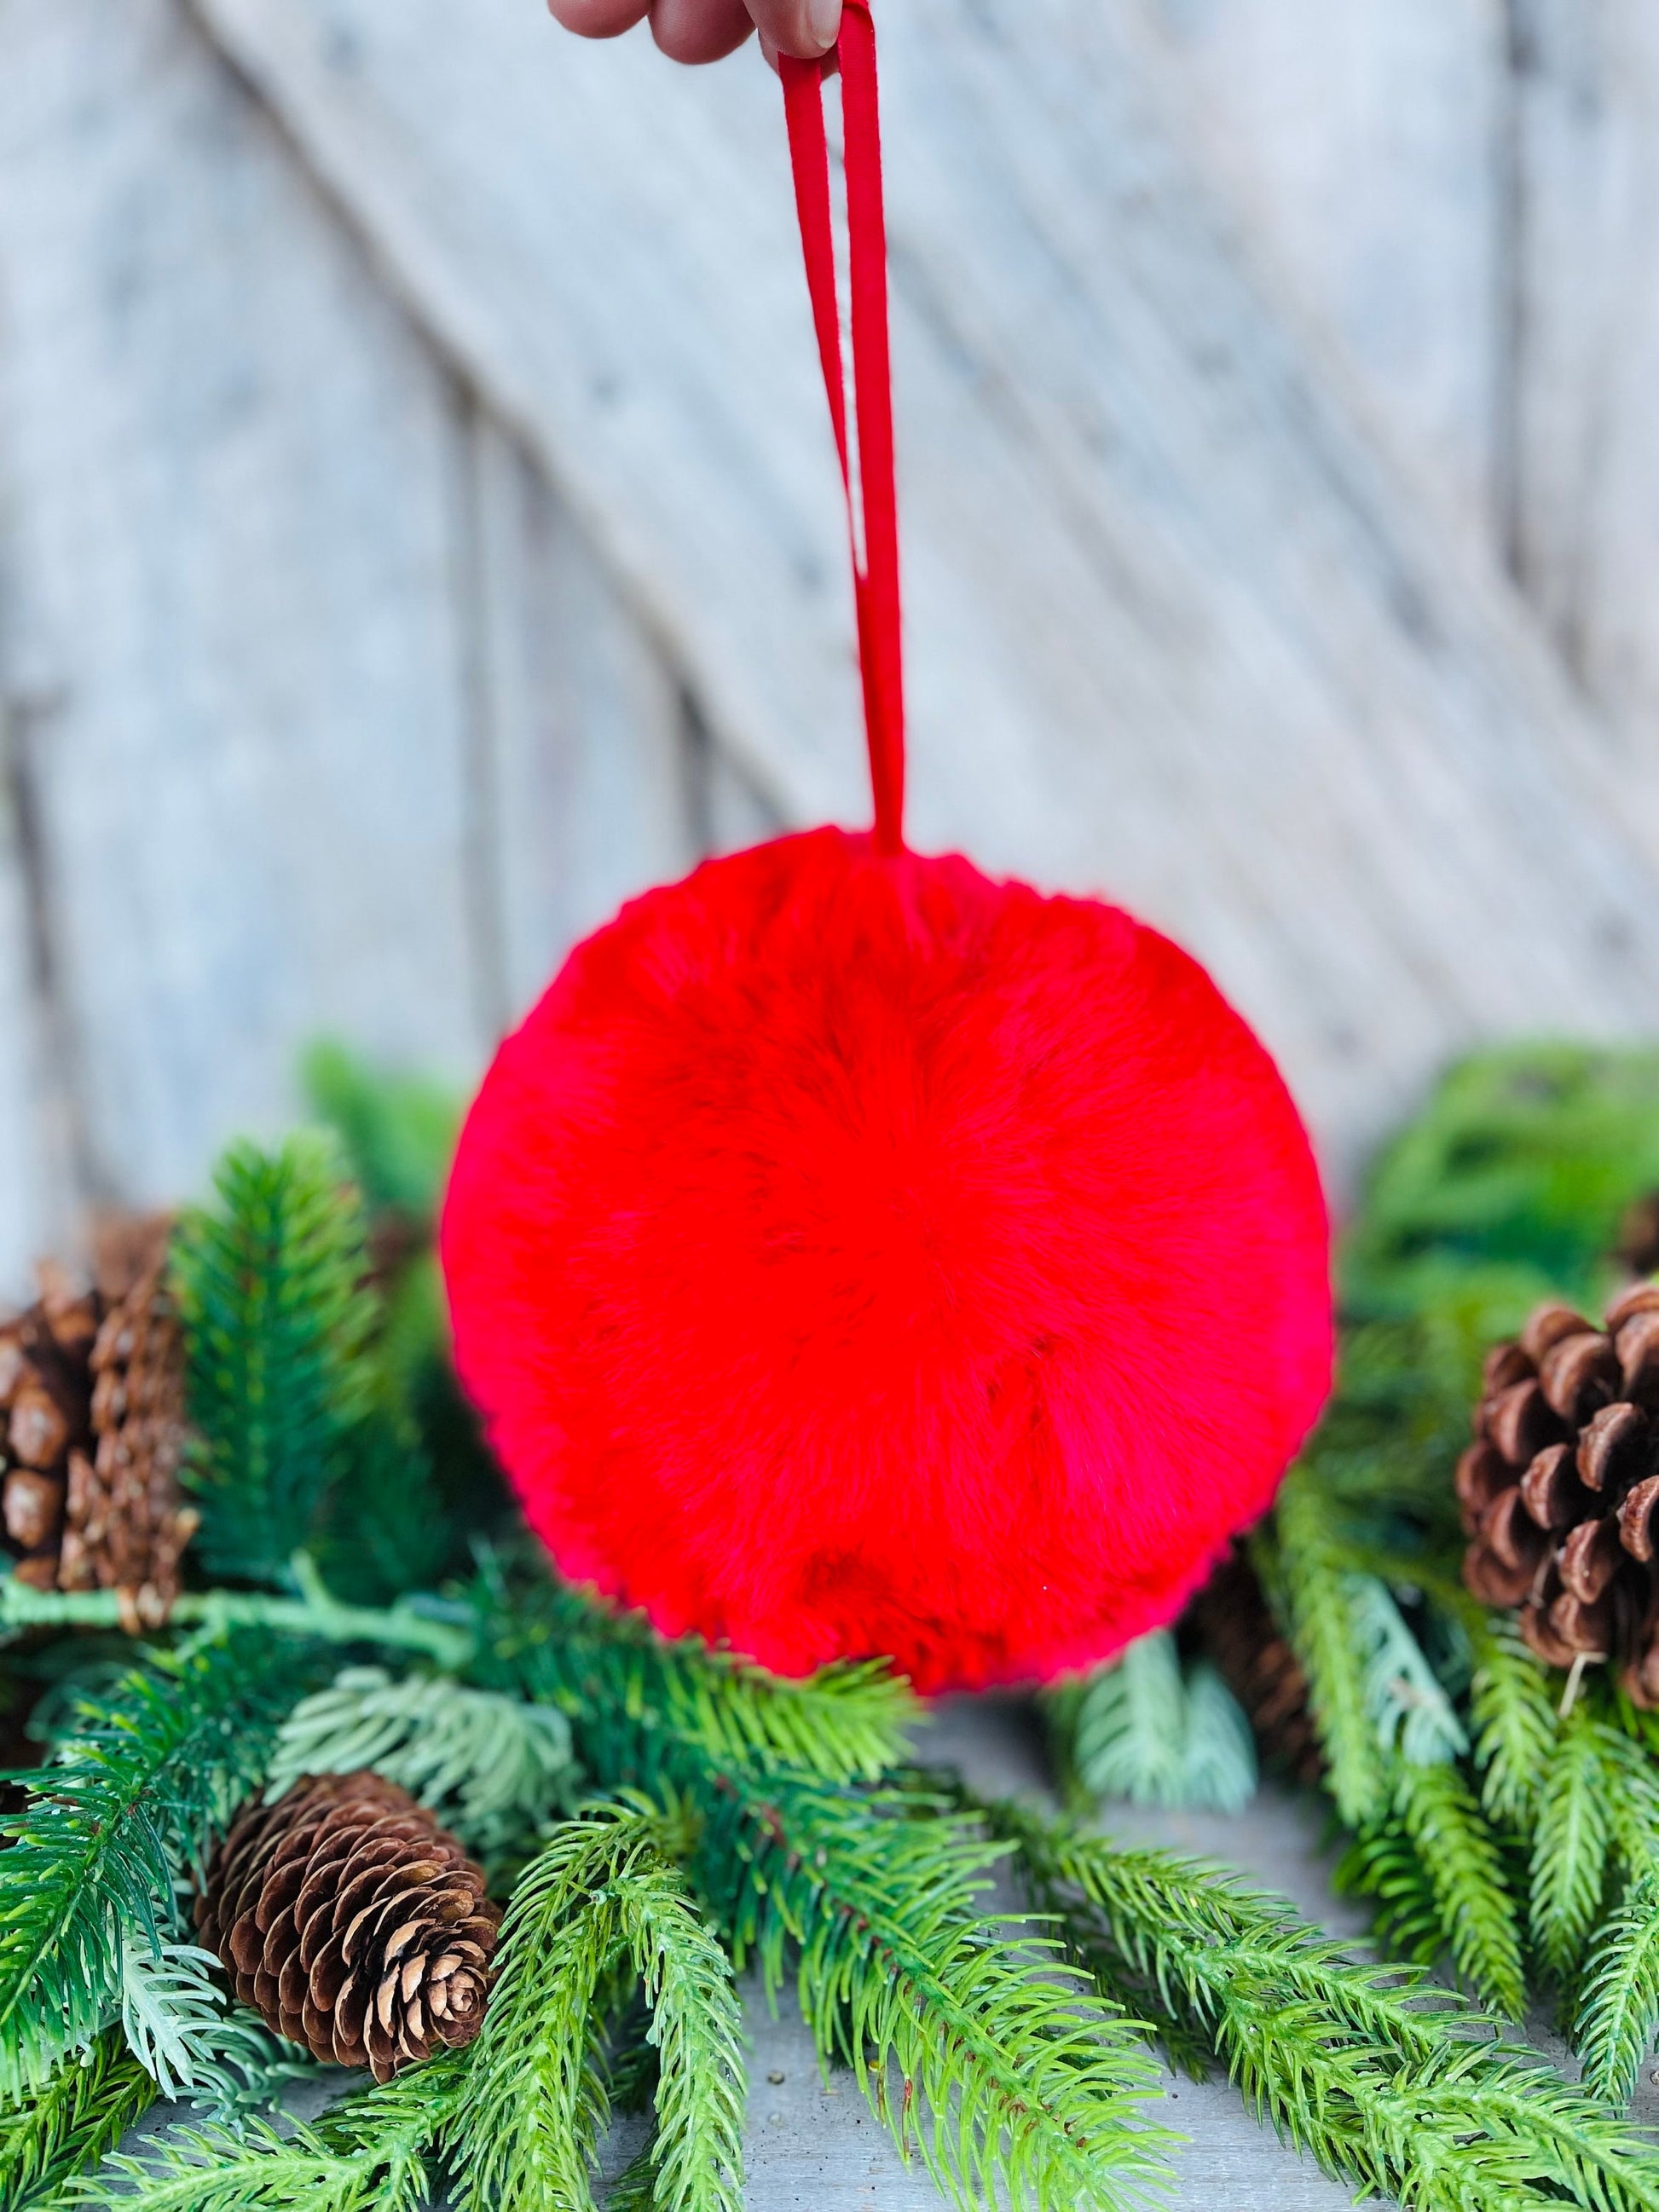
<point x="805" y="28"/>
<point x="699" y="30"/>
<point x="598" y="19"/>
<point x="832" y="64"/>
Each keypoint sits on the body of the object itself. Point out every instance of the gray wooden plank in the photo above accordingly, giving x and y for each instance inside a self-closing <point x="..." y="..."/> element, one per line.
<point x="1179" y="628"/>
<point x="1585" y="307"/>
<point x="231" y="462"/>
<point x="592" y="769"/>
<point x="1360" y="147"/>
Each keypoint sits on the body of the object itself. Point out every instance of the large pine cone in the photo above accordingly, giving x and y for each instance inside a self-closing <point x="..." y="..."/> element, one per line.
<point x="1232" y="1616"/>
<point x="352" y="1923"/>
<point x="92" y="1403"/>
<point x="1559" y="1489"/>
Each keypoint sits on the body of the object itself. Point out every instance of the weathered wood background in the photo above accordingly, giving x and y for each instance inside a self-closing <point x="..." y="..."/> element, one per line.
<point x="417" y="524"/>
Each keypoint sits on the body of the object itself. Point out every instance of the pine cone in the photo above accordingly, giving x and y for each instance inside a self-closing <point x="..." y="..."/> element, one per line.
<point x="352" y="1923"/>
<point x="1240" y="1634"/>
<point x="91" y="1396"/>
<point x="1558" y="1490"/>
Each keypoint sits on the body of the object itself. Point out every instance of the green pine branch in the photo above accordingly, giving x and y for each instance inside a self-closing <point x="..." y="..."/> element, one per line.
<point x="1480" y="1925"/>
<point x="128" y="1801"/>
<point x="1392" y="2084"/>
<point x="1571" y="1843"/>
<point x="492" y="1767"/>
<point x="1002" y="2071"/>
<point x="1142" y="1730"/>
<point x="79" y="2113"/>
<point x="1618" y="2018"/>
<point x="641" y="1707"/>
<point x="535" y="2104"/>
<point x="378" y="2151"/>
<point x="1514" y="1715"/>
<point x="1319" y="1590"/>
<point x="277" y="1324"/>
<point x="987" y="2058"/>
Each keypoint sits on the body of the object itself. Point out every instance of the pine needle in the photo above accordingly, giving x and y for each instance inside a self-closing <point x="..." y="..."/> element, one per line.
<point x="1319" y="1594"/>
<point x="1619" y="2008"/>
<point x="1140" y="1729"/>
<point x="535" y="2104"/>
<point x="1569" y="1844"/>
<point x="978" y="2046"/>
<point x="276" y="1325"/>
<point x="81" y="2113"/>
<point x="634" y="1700"/>
<point x="129" y="1799"/>
<point x="1392" y="2084"/>
<point x="1514" y="1714"/>
<point x="490" y="1766"/>
<point x="1465" y="1870"/>
<point x="379" y="2151"/>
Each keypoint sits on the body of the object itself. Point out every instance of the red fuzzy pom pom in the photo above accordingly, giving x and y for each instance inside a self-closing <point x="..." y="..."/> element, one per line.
<point x="852" y="1256"/>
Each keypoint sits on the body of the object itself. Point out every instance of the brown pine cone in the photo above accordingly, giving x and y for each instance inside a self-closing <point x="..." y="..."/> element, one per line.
<point x="352" y="1923"/>
<point x="1233" y="1615"/>
<point x="92" y="1427"/>
<point x="1558" y="1490"/>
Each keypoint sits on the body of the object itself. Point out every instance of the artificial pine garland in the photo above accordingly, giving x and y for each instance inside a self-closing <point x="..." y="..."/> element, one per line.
<point x="655" y="1816"/>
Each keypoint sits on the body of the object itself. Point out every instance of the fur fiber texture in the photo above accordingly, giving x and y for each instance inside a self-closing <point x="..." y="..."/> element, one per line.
<point x="854" y="1256"/>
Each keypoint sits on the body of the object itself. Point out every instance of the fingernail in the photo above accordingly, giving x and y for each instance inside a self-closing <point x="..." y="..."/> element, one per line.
<point x="823" y="20"/>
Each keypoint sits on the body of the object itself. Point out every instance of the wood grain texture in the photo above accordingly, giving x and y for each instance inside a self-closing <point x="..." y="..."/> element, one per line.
<point x="1360" y="146"/>
<point x="1585" y="529"/>
<point x="232" y="461"/>
<point x="1178" y="629"/>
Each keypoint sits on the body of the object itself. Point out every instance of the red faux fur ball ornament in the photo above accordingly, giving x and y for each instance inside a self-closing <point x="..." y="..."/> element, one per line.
<point x="852" y="1255"/>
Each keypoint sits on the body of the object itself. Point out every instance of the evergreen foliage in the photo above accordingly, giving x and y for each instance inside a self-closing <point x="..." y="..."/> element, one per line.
<point x="379" y="2151"/>
<point x="399" y="1131"/>
<point x="491" y="1767"/>
<point x="752" y="1819"/>
<point x="278" y="1324"/>
<point x="1143" y="1730"/>
<point x="1390" y="2083"/>
<point x="79" y="2114"/>
<point x="537" y="2102"/>
<point x="128" y="1803"/>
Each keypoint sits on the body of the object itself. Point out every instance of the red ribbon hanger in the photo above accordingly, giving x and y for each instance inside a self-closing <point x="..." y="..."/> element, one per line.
<point x="874" y="503"/>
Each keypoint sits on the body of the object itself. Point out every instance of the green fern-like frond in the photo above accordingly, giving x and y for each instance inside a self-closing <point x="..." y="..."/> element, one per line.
<point x="1392" y="2084"/>
<point x="974" y="2040"/>
<point x="1479" y="1919"/>
<point x="185" y="2032"/>
<point x="379" y="2151"/>
<point x="1140" y="1729"/>
<point x="129" y="1801"/>
<point x="1318" y="1589"/>
<point x="79" y="2114"/>
<point x="534" y="2107"/>
<point x="491" y="1766"/>
<point x="634" y="1700"/>
<point x="1410" y="1712"/>
<point x="1570" y="1846"/>
<point x="1618" y="2015"/>
<point x="276" y="1325"/>
<point x="1514" y="1715"/>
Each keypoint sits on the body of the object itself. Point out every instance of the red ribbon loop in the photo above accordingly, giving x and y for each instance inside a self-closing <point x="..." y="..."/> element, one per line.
<point x="876" y="560"/>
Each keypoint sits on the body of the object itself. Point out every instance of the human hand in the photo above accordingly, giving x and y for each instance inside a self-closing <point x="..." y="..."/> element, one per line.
<point x="706" y="30"/>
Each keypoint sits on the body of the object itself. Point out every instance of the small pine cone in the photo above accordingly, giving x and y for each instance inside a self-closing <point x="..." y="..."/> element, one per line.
<point x="92" y="1426"/>
<point x="1559" y="1489"/>
<point x="1233" y="1615"/>
<point x="126" y="1522"/>
<point x="352" y="1923"/>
